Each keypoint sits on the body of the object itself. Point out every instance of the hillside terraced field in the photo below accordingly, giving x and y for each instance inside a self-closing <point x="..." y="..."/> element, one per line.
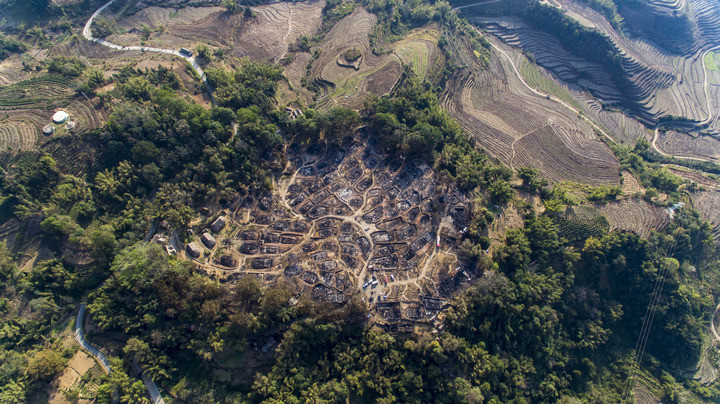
<point x="341" y="84"/>
<point x="708" y="205"/>
<point x="419" y="50"/>
<point x="522" y="128"/>
<point x="27" y="106"/>
<point x="46" y="92"/>
<point x="707" y="181"/>
<point x="17" y="135"/>
<point x="11" y="71"/>
<point x="264" y="37"/>
<point x="540" y="81"/>
<point x="635" y="215"/>
<point x="684" y="145"/>
<point x="657" y="82"/>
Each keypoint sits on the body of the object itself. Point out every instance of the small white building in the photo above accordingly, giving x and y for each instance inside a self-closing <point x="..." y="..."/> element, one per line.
<point x="60" y="117"/>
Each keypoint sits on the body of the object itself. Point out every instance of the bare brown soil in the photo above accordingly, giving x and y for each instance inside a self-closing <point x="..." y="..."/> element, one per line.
<point x="264" y="37"/>
<point x="78" y="365"/>
<point x="707" y="181"/>
<point x="631" y="185"/>
<point x="708" y="205"/>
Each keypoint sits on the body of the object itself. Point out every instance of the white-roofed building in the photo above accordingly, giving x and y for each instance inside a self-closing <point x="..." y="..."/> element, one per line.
<point x="60" y="117"/>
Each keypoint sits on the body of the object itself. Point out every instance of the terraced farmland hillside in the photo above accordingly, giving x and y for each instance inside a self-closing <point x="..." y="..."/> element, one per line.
<point x="348" y="84"/>
<point x="681" y="27"/>
<point x="652" y="79"/>
<point x="707" y="203"/>
<point x="263" y="37"/>
<point x="683" y="145"/>
<point x="523" y="128"/>
<point x="635" y="215"/>
<point x="26" y="107"/>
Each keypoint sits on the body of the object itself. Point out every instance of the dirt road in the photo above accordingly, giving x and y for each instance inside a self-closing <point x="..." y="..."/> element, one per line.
<point x="87" y="33"/>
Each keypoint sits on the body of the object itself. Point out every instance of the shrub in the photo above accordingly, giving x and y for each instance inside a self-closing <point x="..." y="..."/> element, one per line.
<point x="103" y="27"/>
<point x="352" y="55"/>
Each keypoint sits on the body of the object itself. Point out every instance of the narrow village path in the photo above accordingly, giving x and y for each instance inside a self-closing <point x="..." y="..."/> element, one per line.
<point x="80" y="338"/>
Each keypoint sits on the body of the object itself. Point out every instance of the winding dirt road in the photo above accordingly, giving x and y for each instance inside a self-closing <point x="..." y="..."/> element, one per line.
<point x="712" y="324"/>
<point x="87" y="33"/>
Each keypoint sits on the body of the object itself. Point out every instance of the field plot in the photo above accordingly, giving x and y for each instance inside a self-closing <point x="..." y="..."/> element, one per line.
<point x="575" y="77"/>
<point x="549" y="53"/>
<point x="17" y="135"/>
<point x="265" y="37"/>
<point x="694" y="23"/>
<point x="707" y="204"/>
<point x="581" y="222"/>
<point x="621" y="127"/>
<point x="712" y="61"/>
<point x="522" y="128"/>
<point x="341" y="84"/>
<point x="46" y="92"/>
<point x="27" y="106"/>
<point x="11" y="70"/>
<point x="173" y="20"/>
<point x="683" y="145"/>
<point x="20" y="134"/>
<point x="542" y="82"/>
<point x="662" y="83"/>
<point x="293" y="90"/>
<point x="276" y="26"/>
<point x="419" y="50"/>
<point x="707" y="181"/>
<point x="635" y="215"/>
<point x="631" y="185"/>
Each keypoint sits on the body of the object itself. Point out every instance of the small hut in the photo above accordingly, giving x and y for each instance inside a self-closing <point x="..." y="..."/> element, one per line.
<point x="193" y="250"/>
<point x="208" y="240"/>
<point x="218" y="224"/>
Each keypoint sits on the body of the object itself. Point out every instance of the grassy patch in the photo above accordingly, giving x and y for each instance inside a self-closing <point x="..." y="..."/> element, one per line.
<point x="415" y="50"/>
<point x="712" y="61"/>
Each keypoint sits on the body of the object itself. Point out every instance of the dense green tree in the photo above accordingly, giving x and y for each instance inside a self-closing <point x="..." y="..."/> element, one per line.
<point x="9" y="45"/>
<point x="44" y="365"/>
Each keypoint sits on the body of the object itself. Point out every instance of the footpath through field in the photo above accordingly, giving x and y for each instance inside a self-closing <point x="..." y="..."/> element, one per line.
<point x="712" y="324"/>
